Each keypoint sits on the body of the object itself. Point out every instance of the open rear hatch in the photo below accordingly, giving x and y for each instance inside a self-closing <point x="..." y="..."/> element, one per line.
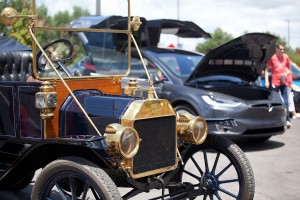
<point x="184" y="29"/>
<point x="244" y="57"/>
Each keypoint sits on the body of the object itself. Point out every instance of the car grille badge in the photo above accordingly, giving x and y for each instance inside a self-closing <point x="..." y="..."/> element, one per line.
<point x="270" y="107"/>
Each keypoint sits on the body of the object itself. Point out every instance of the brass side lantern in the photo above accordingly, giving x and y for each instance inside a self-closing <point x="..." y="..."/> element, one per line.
<point x="46" y="100"/>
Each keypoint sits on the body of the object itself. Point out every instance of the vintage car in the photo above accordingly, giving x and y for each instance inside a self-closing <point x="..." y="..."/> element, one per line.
<point x="89" y="139"/>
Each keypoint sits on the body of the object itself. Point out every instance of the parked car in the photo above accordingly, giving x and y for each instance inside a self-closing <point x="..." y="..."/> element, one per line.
<point x="220" y="90"/>
<point x="88" y="138"/>
<point x="296" y="94"/>
<point x="295" y="84"/>
<point x="217" y="85"/>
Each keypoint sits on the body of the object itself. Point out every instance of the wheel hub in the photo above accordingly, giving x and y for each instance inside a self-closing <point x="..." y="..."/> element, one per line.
<point x="210" y="182"/>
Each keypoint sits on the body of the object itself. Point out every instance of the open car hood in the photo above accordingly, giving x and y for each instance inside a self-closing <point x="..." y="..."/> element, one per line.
<point x="184" y="29"/>
<point x="244" y="57"/>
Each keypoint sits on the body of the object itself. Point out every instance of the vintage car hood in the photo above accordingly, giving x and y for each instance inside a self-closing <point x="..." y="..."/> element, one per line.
<point x="244" y="57"/>
<point x="184" y="29"/>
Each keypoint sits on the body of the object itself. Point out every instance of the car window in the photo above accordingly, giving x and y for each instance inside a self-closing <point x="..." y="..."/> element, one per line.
<point x="138" y="71"/>
<point x="180" y="64"/>
<point x="295" y="71"/>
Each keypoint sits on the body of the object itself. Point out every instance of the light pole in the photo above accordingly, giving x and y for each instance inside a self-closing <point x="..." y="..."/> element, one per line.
<point x="288" y="21"/>
<point x="98" y="7"/>
<point x="178" y="17"/>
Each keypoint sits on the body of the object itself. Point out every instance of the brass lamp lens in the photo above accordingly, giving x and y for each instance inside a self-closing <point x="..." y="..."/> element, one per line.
<point x="198" y="130"/>
<point x="128" y="142"/>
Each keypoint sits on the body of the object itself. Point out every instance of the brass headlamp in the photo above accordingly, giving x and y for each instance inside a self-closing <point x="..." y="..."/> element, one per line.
<point x="191" y="128"/>
<point x="123" y="142"/>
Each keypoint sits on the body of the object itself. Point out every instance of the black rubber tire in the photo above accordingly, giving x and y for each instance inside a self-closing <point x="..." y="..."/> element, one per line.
<point x="240" y="186"/>
<point x="77" y="175"/>
<point x="185" y="108"/>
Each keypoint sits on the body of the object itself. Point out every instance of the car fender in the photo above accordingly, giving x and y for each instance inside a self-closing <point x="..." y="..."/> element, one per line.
<point x="41" y="153"/>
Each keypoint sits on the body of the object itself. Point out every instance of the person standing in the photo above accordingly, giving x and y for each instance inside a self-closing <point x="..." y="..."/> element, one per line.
<point x="279" y="64"/>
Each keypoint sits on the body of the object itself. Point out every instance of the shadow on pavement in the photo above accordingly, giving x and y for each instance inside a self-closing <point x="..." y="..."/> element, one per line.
<point x="249" y="146"/>
<point x="17" y="195"/>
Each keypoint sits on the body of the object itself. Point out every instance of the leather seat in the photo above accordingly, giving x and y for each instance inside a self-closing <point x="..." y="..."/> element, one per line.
<point x="15" y="65"/>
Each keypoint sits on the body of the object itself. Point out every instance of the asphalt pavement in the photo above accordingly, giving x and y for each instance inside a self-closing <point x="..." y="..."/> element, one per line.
<point x="276" y="166"/>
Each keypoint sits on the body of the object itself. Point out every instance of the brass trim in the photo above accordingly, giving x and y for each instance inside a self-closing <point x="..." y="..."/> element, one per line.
<point x="145" y="109"/>
<point x="82" y="29"/>
<point x="186" y="128"/>
<point x="149" y="108"/>
<point x="113" y="134"/>
<point x="157" y="171"/>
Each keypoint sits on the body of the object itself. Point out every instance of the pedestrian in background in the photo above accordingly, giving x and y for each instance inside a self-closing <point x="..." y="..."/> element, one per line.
<point x="292" y="108"/>
<point x="279" y="64"/>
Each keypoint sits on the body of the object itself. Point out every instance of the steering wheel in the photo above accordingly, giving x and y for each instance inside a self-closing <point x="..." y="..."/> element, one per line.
<point x="60" y="52"/>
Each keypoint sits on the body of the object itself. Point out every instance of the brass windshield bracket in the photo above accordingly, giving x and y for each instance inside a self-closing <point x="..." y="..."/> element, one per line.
<point x="116" y="80"/>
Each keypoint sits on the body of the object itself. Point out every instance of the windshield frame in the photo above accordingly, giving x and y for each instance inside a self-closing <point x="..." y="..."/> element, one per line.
<point x="35" y="49"/>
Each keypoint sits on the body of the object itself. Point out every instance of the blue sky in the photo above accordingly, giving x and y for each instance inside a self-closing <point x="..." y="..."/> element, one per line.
<point x="235" y="17"/>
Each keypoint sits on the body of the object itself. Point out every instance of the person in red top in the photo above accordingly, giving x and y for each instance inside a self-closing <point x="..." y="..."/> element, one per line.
<point x="279" y="64"/>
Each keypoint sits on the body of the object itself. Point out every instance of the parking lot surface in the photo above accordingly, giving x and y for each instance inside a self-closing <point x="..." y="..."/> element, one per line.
<point x="276" y="166"/>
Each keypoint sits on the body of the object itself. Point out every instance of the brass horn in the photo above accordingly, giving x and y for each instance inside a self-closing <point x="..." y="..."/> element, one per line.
<point x="9" y="16"/>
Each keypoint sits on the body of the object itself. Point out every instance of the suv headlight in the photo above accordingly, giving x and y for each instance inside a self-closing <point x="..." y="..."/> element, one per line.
<point x="216" y="101"/>
<point x="191" y="128"/>
<point x="122" y="141"/>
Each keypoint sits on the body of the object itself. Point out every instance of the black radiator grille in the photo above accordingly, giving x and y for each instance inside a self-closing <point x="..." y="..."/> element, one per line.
<point x="158" y="144"/>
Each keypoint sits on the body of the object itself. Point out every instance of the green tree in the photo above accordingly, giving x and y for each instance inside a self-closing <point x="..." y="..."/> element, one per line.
<point x="19" y="30"/>
<point x="219" y="37"/>
<point x="78" y="12"/>
<point x="60" y="19"/>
